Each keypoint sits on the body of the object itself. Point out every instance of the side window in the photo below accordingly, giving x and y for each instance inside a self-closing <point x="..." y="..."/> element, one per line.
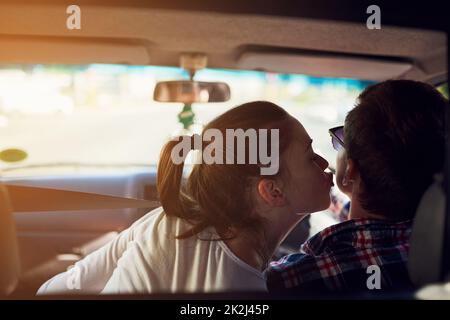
<point x="443" y="88"/>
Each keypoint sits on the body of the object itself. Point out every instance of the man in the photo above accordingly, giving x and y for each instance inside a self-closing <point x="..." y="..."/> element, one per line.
<point x="390" y="148"/>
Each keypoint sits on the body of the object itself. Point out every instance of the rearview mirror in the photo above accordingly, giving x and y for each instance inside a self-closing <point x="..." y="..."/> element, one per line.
<point x="191" y="91"/>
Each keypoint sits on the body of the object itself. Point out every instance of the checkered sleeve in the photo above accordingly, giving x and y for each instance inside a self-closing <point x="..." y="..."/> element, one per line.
<point x="295" y="273"/>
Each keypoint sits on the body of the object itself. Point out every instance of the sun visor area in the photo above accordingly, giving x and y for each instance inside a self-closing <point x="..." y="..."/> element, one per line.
<point x="76" y="50"/>
<point x="324" y="65"/>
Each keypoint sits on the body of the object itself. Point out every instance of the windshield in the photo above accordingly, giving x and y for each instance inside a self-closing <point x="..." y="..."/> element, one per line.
<point x="92" y="117"/>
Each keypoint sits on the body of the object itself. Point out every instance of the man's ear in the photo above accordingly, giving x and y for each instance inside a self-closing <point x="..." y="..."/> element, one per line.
<point x="271" y="193"/>
<point x="351" y="173"/>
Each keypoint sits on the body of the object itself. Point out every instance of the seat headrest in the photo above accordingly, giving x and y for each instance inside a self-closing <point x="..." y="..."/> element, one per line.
<point x="427" y="238"/>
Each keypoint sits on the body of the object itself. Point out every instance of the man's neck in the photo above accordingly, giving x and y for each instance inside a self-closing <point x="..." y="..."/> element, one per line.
<point x="358" y="212"/>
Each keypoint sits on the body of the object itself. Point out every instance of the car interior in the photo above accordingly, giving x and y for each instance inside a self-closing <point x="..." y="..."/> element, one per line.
<point x="81" y="180"/>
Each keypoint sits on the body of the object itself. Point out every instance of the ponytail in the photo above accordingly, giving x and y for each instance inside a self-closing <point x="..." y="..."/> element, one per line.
<point x="169" y="181"/>
<point x="174" y="199"/>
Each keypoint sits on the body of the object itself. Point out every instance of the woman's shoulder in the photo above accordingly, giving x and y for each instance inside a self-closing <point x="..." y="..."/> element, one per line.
<point x="154" y="222"/>
<point x="148" y="246"/>
<point x="157" y="231"/>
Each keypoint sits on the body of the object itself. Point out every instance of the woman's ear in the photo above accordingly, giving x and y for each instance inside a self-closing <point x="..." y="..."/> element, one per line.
<point x="270" y="192"/>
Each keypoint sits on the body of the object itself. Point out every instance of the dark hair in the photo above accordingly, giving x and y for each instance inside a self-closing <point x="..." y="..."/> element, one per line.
<point x="218" y="195"/>
<point x="396" y="136"/>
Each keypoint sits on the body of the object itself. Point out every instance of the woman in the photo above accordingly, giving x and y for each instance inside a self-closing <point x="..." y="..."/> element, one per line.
<point x="218" y="231"/>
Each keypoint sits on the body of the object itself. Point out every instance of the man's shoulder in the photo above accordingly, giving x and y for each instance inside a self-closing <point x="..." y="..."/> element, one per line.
<point x="337" y="258"/>
<point x="299" y="271"/>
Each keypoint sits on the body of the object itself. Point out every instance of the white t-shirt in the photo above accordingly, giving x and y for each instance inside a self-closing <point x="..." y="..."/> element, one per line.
<point x="146" y="258"/>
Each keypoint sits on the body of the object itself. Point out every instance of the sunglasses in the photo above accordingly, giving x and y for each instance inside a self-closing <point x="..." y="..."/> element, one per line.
<point x="337" y="137"/>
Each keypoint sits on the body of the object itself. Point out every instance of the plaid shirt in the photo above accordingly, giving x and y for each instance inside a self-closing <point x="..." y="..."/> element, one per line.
<point x="336" y="259"/>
